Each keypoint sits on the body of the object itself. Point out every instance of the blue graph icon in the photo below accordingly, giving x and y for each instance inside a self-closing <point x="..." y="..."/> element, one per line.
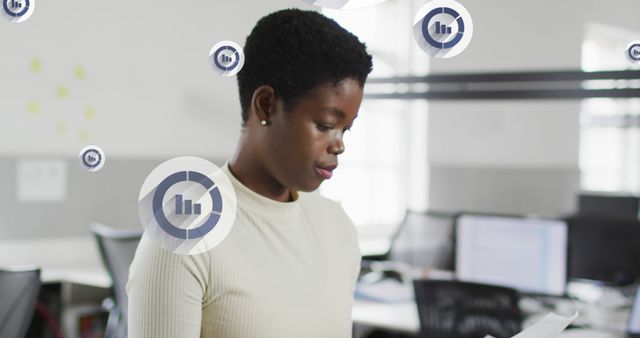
<point x="218" y="59"/>
<point x="634" y="52"/>
<point x="91" y="158"/>
<point x="186" y="207"/>
<point x="175" y="231"/>
<point x="442" y="28"/>
<point x="225" y="58"/>
<point x="16" y="8"/>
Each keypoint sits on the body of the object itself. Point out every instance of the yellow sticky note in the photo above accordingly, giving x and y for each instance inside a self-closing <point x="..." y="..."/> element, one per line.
<point x="89" y="113"/>
<point x="83" y="135"/>
<point x="80" y="73"/>
<point x="61" y="127"/>
<point x="35" y="65"/>
<point x="33" y="107"/>
<point x="62" y="91"/>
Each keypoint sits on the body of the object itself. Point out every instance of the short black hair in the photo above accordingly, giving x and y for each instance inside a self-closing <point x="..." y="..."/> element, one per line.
<point x="293" y="51"/>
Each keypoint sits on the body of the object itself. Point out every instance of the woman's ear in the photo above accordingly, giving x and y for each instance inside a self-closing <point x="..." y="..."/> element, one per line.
<point x="263" y="103"/>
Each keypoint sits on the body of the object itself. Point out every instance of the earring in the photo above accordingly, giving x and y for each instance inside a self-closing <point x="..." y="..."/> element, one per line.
<point x="263" y="122"/>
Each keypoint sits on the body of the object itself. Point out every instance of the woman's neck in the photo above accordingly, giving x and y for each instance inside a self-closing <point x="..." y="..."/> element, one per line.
<point x="246" y="168"/>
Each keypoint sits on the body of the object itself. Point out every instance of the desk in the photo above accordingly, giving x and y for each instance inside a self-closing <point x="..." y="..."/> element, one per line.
<point x="403" y="317"/>
<point x="87" y="275"/>
<point x="374" y="246"/>
<point x="61" y="260"/>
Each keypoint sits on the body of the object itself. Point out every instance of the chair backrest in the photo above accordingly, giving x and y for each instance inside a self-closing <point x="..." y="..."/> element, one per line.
<point x="424" y="240"/>
<point x="19" y="291"/>
<point x="117" y="248"/>
<point x="452" y="309"/>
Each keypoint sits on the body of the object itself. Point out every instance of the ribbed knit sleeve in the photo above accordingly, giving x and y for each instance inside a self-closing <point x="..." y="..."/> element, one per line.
<point x="165" y="293"/>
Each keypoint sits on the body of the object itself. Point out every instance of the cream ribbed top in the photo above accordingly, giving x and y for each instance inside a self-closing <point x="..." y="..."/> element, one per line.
<point x="286" y="270"/>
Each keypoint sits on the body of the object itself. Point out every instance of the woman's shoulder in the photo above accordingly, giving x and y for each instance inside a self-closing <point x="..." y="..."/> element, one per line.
<point x="325" y="208"/>
<point x="330" y="219"/>
<point x="150" y="256"/>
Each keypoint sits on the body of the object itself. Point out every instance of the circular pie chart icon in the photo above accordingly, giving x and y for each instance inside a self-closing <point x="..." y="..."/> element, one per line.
<point x="443" y="28"/>
<point x="187" y="205"/>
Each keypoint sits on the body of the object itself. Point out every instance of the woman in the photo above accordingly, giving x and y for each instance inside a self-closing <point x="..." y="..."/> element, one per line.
<point x="288" y="267"/>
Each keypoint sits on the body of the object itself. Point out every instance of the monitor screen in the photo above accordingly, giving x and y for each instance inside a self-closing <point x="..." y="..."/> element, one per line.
<point x="527" y="254"/>
<point x="604" y="250"/>
<point x="634" y="318"/>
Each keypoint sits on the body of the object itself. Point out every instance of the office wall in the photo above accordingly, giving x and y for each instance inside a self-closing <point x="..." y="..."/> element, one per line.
<point x="108" y="196"/>
<point x="511" y="157"/>
<point x="131" y="77"/>
<point x="515" y="156"/>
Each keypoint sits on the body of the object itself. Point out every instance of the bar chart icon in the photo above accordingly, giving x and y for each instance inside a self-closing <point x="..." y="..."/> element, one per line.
<point x="633" y="52"/>
<point x="18" y="10"/>
<point x="442" y="28"/>
<point x="92" y="157"/>
<point x="225" y="58"/>
<point x="187" y="207"/>
<point x="14" y="5"/>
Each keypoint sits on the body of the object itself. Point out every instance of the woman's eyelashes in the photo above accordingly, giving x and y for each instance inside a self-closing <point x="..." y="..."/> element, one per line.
<point x="326" y="127"/>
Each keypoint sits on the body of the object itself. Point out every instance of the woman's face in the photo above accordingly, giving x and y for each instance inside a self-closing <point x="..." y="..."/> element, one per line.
<point x="304" y="143"/>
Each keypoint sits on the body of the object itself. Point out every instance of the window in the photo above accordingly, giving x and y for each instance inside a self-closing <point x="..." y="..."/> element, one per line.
<point x="384" y="168"/>
<point x="609" y="128"/>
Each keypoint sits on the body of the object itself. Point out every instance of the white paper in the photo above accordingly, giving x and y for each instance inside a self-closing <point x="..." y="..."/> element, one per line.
<point x="634" y="320"/>
<point x="550" y="326"/>
<point x="41" y="180"/>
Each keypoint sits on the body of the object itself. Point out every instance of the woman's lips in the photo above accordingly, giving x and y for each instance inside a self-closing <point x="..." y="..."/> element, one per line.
<point x="324" y="173"/>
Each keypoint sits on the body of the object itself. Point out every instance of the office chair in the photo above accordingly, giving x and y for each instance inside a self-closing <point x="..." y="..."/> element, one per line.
<point x="19" y="291"/>
<point x="453" y="309"/>
<point x="424" y="240"/>
<point x="117" y="248"/>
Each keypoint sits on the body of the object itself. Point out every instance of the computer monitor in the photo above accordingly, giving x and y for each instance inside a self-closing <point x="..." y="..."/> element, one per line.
<point x="608" y="206"/>
<point x="604" y="250"/>
<point x="633" y="329"/>
<point x="527" y="254"/>
<point x="424" y="240"/>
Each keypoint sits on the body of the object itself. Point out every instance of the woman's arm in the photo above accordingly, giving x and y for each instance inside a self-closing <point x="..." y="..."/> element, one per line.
<point x="166" y="293"/>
